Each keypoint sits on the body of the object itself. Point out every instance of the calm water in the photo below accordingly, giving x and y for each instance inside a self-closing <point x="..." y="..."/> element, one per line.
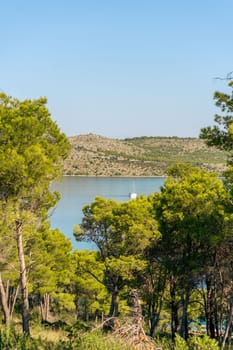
<point x="77" y="191"/>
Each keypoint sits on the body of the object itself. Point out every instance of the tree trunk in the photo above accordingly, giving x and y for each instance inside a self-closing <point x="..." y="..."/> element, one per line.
<point x="44" y="307"/>
<point x="155" y="315"/>
<point x="4" y="302"/>
<point x="23" y="278"/>
<point x="229" y="323"/>
<point x="156" y="303"/>
<point x="210" y="309"/>
<point x="114" y="303"/>
<point x="174" y="309"/>
<point x="184" y="319"/>
<point x="77" y="305"/>
<point x="12" y="297"/>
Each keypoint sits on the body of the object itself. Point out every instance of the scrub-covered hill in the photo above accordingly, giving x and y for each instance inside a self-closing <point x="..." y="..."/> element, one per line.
<point x="140" y="156"/>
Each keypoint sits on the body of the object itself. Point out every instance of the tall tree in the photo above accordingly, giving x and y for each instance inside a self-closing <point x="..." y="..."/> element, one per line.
<point x="49" y="259"/>
<point x="152" y="282"/>
<point x="121" y="232"/>
<point x="221" y="136"/>
<point x="191" y="211"/>
<point x="91" y="295"/>
<point x="8" y="262"/>
<point x="32" y="150"/>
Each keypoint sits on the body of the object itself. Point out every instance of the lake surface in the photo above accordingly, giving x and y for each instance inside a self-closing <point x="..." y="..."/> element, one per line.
<point x="76" y="191"/>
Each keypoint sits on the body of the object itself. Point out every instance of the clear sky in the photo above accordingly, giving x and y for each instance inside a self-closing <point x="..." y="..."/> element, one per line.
<point x="118" y="68"/>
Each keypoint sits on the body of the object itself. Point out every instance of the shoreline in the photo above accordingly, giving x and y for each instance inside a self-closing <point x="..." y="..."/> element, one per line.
<point x="120" y="176"/>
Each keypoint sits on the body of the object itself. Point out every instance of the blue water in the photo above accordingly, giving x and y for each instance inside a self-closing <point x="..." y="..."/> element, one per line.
<point x="77" y="191"/>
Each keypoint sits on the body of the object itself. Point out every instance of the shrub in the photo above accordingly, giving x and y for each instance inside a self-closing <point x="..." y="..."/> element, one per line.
<point x="193" y="343"/>
<point x="9" y="339"/>
<point x="203" y="343"/>
<point x="96" y="341"/>
<point x="181" y="344"/>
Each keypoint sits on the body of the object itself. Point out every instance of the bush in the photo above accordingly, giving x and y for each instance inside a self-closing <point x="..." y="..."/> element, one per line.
<point x="181" y="344"/>
<point x="203" y="343"/>
<point x="97" y="341"/>
<point x="193" y="343"/>
<point x="9" y="339"/>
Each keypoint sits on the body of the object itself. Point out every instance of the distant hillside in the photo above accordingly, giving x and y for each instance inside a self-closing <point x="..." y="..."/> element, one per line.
<point x="140" y="156"/>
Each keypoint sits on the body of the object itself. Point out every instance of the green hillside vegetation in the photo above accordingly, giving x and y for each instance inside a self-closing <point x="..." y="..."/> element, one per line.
<point x="141" y="156"/>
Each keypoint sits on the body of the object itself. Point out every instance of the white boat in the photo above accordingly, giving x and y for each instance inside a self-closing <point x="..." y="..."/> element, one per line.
<point x="133" y="195"/>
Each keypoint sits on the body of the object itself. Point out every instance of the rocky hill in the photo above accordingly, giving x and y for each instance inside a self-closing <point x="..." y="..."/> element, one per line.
<point x="141" y="156"/>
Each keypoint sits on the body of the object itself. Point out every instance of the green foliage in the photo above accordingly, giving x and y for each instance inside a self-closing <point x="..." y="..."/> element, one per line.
<point x="191" y="211"/>
<point x="10" y="339"/>
<point x="32" y="148"/>
<point x="193" y="343"/>
<point x="174" y="238"/>
<point x="221" y="135"/>
<point x="116" y="228"/>
<point x="203" y="343"/>
<point x="87" y="283"/>
<point x="32" y="151"/>
<point x="180" y="344"/>
<point x="78" y="340"/>
<point x="80" y="337"/>
<point x="96" y="341"/>
<point x="50" y="253"/>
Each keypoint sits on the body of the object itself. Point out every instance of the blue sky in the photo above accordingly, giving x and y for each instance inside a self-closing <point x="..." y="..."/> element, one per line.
<point x="119" y="68"/>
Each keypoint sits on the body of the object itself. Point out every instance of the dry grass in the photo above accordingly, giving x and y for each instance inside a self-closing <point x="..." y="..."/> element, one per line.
<point x="48" y="335"/>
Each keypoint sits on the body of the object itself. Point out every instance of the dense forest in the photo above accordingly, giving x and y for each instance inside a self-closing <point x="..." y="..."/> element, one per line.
<point x="161" y="274"/>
